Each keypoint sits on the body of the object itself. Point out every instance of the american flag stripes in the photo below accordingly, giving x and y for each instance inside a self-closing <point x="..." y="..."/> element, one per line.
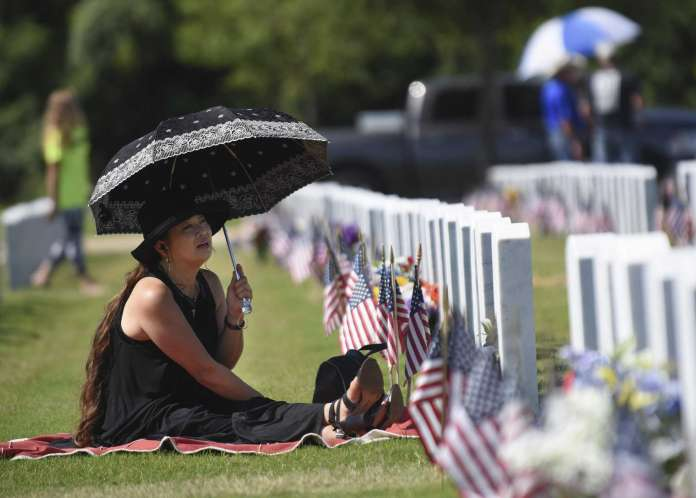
<point x="280" y="244"/>
<point x="429" y="397"/>
<point x="299" y="260"/>
<point x="385" y="312"/>
<point x="344" y="257"/>
<point x="345" y="265"/>
<point x="472" y="436"/>
<point x="461" y="356"/>
<point x="320" y="258"/>
<point x="417" y="332"/>
<point x="427" y="402"/>
<point x="474" y="433"/>
<point x="678" y="224"/>
<point x="360" y="324"/>
<point x="334" y="296"/>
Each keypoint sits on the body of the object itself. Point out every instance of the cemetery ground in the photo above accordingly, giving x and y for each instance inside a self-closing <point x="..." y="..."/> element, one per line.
<point x="45" y="336"/>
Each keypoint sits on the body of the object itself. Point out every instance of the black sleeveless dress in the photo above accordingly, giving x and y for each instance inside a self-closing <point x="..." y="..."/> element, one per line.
<point x="148" y="395"/>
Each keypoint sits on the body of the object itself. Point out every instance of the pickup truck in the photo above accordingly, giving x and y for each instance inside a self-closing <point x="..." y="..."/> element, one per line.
<point x="439" y="147"/>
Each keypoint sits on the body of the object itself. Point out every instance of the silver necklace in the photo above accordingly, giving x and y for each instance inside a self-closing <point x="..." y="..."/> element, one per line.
<point x="197" y="291"/>
<point x="191" y="301"/>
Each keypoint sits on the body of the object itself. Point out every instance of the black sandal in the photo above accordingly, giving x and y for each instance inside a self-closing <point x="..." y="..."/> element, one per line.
<point x="395" y="408"/>
<point x="349" y="426"/>
<point x="371" y="381"/>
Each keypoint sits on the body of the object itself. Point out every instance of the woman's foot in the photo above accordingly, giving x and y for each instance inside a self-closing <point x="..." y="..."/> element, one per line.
<point x="346" y="414"/>
<point x="388" y="411"/>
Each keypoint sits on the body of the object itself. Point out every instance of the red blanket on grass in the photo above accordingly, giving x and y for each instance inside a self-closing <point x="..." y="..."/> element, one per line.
<point x="61" y="444"/>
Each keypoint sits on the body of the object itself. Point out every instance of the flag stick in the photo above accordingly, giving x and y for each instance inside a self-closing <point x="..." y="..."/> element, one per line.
<point x="384" y="267"/>
<point x="444" y="338"/>
<point x="332" y="254"/>
<point x="416" y="281"/>
<point x="396" y="315"/>
<point x="363" y="251"/>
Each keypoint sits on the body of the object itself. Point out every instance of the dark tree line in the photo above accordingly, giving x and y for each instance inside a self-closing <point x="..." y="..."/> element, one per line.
<point x="135" y="62"/>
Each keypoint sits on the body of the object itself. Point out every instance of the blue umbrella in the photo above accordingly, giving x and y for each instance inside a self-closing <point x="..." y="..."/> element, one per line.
<point x="580" y="32"/>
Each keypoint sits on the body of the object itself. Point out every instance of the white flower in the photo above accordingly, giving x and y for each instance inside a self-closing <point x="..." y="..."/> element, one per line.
<point x="573" y="448"/>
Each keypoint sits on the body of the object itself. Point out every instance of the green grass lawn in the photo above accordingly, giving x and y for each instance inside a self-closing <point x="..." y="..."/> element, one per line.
<point x="44" y="339"/>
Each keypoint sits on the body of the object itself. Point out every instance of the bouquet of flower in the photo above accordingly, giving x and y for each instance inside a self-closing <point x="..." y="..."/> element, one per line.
<point x="404" y="278"/>
<point x="610" y="429"/>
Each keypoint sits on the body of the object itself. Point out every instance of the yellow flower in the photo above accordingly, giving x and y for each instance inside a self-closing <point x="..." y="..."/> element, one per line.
<point x="640" y="399"/>
<point x="627" y="389"/>
<point x="607" y="375"/>
<point x="401" y="280"/>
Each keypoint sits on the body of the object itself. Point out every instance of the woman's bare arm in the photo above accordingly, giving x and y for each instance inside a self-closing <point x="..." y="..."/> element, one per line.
<point x="160" y="318"/>
<point x="230" y="342"/>
<point x="52" y="173"/>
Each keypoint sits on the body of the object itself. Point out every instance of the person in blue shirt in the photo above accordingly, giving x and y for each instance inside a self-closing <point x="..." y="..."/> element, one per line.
<point x="562" y="117"/>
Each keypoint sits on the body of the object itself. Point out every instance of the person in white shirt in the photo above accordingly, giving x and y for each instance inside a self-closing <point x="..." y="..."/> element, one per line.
<point x="616" y="100"/>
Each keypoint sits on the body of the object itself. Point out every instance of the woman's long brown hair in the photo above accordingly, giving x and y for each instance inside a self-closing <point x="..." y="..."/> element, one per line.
<point x="63" y="113"/>
<point x="93" y="397"/>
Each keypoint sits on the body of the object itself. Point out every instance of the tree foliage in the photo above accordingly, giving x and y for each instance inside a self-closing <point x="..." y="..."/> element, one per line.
<point x="136" y="62"/>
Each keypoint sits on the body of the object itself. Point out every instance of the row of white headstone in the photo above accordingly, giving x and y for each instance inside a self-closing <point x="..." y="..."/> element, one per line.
<point x="627" y="193"/>
<point x="482" y="258"/>
<point x="636" y="286"/>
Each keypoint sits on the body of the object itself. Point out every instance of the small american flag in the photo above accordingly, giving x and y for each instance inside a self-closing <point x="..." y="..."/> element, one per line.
<point x="430" y="395"/>
<point x="678" y="224"/>
<point x="474" y="433"/>
<point x="385" y="308"/>
<point x="344" y="256"/>
<point x="462" y="354"/>
<point x="320" y="258"/>
<point x="280" y="244"/>
<point x="427" y="402"/>
<point x="334" y="295"/>
<point x="299" y="260"/>
<point x="345" y="265"/>
<point x="417" y="332"/>
<point x="360" y="324"/>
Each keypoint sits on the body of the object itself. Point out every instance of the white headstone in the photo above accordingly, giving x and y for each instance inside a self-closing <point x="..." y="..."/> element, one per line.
<point x="512" y="274"/>
<point x="630" y="256"/>
<point x="686" y="339"/>
<point x="28" y="237"/>
<point x="581" y="274"/>
<point x="661" y="277"/>
<point x="485" y="225"/>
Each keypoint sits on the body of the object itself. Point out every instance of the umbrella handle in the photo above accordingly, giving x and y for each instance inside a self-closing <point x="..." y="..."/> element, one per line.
<point x="246" y="302"/>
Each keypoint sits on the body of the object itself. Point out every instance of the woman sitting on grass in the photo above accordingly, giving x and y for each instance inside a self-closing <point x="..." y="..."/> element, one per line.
<point x="161" y="360"/>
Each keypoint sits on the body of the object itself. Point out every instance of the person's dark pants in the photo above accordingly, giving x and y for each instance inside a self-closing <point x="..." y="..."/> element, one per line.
<point x="70" y="246"/>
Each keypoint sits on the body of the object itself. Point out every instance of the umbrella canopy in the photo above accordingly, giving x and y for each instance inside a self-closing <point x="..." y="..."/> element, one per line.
<point x="250" y="158"/>
<point x="557" y="40"/>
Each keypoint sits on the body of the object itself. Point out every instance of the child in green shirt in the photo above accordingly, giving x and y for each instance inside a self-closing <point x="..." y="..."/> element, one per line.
<point x="66" y="154"/>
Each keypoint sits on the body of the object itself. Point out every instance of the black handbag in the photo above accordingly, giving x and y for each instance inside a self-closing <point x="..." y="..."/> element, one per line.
<point x="336" y="373"/>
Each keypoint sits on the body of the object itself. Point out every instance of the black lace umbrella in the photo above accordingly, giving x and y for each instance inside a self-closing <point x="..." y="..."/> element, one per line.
<point x="250" y="158"/>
